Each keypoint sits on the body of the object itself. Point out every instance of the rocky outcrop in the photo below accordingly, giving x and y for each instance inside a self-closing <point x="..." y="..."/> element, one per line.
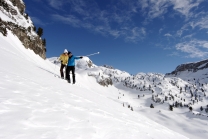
<point x="26" y="35"/>
<point x="107" y="66"/>
<point x="193" y="67"/>
<point x="20" y="5"/>
<point x="106" y="82"/>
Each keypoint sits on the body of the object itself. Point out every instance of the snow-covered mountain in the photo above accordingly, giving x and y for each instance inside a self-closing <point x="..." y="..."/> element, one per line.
<point x="190" y="67"/>
<point x="104" y="103"/>
<point x="35" y="104"/>
<point x="184" y="97"/>
<point x="14" y="18"/>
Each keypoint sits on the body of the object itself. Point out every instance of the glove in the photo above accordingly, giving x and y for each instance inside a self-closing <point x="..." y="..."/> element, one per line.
<point x="81" y="57"/>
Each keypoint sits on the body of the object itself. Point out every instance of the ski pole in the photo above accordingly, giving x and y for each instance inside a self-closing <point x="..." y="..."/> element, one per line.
<point x="93" y="54"/>
<point x="55" y="62"/>
<point x="55" y="69"/>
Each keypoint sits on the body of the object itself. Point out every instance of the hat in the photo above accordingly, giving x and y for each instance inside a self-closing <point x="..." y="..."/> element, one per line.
<point x="69" y="52"/>
<point x="65" y="51"/>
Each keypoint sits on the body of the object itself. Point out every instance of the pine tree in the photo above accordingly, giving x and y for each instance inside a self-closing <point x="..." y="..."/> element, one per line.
<point x="5" y="6"/>
<point x="34" y="28"/>
<point x="170" y="107"/>
<point x="14" y="2"/>
<point x="190" y="108"/>
<point x="201" y="108"/>
<point x="151" y="106"/>
<point x="26" y="16"/>
<point x="40" y="32"/>
<point x="44" y="42"/>
<point x="4" y="31"/>
<point x="166" y="98"/>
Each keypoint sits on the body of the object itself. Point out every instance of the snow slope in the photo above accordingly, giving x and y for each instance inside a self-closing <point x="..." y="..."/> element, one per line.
<point x="187" y="90"/>
<point x="182" y="92"/>
<point x="35" y="104"/>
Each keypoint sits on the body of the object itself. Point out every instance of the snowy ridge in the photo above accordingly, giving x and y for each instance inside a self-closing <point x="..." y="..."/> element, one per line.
<point x="190" y="67"/>
<point x="34" y="104"/>
<point x="18" y="19"/>
<point x="184" y="96"/>
<point x="13" y="18"/>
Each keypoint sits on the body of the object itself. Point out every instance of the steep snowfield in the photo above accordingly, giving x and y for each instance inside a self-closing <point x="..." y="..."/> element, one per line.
<point x="34" y="104"/>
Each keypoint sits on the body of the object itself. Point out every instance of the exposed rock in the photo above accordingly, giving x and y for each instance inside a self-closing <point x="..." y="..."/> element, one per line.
<point x="194" y="67"/>
<point x="107" y="66"/>
<point x="89" y="63"/>
<point x="33" y="42"/>
<point x="106" y="82"/>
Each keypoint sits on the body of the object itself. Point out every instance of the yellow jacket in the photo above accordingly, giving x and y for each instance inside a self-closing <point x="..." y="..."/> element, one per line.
<point x="64" y="58"/>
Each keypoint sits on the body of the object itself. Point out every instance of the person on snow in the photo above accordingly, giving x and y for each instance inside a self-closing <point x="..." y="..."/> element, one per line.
<point x="64" y="60"/>
<point x="71" y="67"/>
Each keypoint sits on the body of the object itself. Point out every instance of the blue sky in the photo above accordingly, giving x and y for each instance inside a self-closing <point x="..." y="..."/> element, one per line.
<point x="131" y="35"/>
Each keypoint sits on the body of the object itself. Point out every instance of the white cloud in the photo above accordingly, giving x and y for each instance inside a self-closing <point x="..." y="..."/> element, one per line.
<point x="136" y="34"/>
<point x="194" y="48"/>
<point x="118" y="22"/>
<point x="174" y="54"/>
<point x="160" y="31"/>
<point x="154" y="8"/>
<point x="70" y="19"/>
<point x="184" y="6"/>
<point x="179" y="33"/>
<point x="38" y="21"/>
<point x="188" y="36"/>
<point x="114" y="21"/>
<point x="57" y="4"/>
<point x="157" y="8"/>
<point x="168" y="35"/>
<point x="201" y="23"/>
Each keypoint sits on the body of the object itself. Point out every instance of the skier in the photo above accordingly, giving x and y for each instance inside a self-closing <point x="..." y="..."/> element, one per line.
<point x="64" y="60"/>
<point x="71" y="67"/>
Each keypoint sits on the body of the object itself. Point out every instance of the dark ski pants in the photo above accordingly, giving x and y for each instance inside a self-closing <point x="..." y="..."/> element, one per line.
<point x="72" y="69"/>
<point x="61" y="70"/>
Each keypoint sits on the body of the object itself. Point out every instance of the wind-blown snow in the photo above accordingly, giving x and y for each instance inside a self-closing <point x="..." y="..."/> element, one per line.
<point x="35" y="104"/>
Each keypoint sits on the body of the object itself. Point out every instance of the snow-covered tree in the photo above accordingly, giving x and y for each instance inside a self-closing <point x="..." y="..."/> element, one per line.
<point x="151" y="105"/>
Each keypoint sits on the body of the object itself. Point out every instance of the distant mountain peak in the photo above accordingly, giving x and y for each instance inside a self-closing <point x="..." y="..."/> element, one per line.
<point x="190" y="67"/>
